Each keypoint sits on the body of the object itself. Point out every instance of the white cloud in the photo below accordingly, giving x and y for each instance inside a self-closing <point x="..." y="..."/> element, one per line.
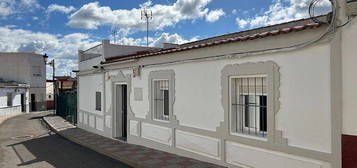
<point x="241" y="23"/>
<point x="214" y="15"/>
<point x="59" y="8"/>
<point x="63" y="48"/>
<point x="156" y="41"/>
<point x="167" y="38"/>
<point x="9" y="7"/>
<point x="6" y="8"/>
<point x="282" y="11"/>
<point x="92" y="15"/>
<point x="30" y="4"/>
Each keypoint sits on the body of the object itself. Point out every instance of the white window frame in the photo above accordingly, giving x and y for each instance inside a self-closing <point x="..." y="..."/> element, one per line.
<point x="235" y="120"/>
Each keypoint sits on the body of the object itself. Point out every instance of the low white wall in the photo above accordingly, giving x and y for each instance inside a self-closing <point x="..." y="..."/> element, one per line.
<point x="202" y="145"/>
<point x="133" y="125"/>
<point x="6" y="113"/>
<point x="156" y="133"/>
<point x="249" y="157"/>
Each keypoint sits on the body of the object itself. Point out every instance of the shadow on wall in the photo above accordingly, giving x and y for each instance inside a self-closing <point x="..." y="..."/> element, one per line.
<point x="60" y="153"/>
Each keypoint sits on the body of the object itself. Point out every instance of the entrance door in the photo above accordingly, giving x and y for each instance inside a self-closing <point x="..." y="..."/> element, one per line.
<point x="33" y="102"/>
<point x="120" y="115"/>
<point x="23" y="102"/>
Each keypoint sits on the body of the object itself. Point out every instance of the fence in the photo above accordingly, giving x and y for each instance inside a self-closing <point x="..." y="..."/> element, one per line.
<point x="67" y="105"/>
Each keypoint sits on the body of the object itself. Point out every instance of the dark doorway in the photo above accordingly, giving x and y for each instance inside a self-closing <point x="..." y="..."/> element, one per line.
<point x="125" y="111"/>
<point x="121" y="112"/>
<point x="23" y="102"/>
<point x="33" y="102"/>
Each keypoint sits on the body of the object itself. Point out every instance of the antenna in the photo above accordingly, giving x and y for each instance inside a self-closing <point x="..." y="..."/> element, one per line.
<point x="147" y="15"/>
<point x="115" y="33"/>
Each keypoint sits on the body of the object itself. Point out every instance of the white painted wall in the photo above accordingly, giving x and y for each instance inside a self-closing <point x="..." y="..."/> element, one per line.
<point x="304" y="96"/>
<point x="349" y="69"/>
<point x="3" y="101"/>
<point x="88" y="64"/>
<point x="88" y="86"/>
<point x="49" y="91"/>
<point x="156" y="133"/>
<point x="112" y="50"/>
<point x="249" y="157"/>
<point x="15" y="109"/>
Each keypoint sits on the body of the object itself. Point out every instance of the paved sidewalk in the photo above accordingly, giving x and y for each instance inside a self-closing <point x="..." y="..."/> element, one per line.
<point x="132" y="155"/>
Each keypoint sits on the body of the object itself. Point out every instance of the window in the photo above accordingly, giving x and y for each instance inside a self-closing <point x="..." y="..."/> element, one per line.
<point x="36" y="71"/>
<point x="9" y="99"/>
<point x="98" y="101"/>
<point x="161" y="99"/>
<point x="249" y="105"/>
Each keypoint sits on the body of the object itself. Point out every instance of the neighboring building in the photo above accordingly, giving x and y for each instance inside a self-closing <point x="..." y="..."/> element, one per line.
<point x="29" y="69"/>
<point x="66" y="82"/>
<point x="238" y="100"/>
<point x="63" y="83"/>
<point x="13" y="98"/>
<point x="49" y="94"/>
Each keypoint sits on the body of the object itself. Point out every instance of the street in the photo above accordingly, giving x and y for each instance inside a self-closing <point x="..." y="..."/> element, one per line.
<point x="25" y="142"/>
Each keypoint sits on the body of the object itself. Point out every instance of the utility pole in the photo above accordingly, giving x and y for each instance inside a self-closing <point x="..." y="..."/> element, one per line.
<point x="52" y="63"/>
<point x="147" y="16"/>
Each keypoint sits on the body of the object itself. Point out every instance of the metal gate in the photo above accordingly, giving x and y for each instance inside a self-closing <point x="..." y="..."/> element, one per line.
<point x="67" y="105"/>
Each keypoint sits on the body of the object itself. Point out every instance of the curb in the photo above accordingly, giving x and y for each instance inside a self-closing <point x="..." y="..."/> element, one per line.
<point x="94" y="148"/>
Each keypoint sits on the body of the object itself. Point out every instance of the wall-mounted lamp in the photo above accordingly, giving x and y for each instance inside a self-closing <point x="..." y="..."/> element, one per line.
<point x="45" y="58"/>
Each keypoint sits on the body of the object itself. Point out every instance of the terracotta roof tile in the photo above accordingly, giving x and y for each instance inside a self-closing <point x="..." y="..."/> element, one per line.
<point x="218" y="42"/>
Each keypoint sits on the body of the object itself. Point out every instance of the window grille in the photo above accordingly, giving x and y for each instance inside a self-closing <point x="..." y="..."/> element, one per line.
<point x="249" y="105"/>
<point x="98" y="101"/>
<point x="161" y="100"/>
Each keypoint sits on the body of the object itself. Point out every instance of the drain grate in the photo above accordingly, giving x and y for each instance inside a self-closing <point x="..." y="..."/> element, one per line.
<point x="22" y="137"/>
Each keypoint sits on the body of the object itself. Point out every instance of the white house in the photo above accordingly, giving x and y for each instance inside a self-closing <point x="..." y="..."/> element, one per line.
<point x="26" y="68"/>
<point x="13" y="98"/>
<point x="278" y="96"/>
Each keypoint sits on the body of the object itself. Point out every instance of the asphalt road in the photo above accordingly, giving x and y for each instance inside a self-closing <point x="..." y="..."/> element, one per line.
<point x="26" y="143"/>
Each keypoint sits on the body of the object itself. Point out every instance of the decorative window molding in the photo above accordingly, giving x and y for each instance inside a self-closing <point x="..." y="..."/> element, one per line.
<point x="270" y="70"/>
<point x="164" y="77"/>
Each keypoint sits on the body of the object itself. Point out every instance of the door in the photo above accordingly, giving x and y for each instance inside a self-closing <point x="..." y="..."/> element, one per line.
<point x="23" y="102"/>
<point x="120" y="115"/>
<point x="33" y="102"/>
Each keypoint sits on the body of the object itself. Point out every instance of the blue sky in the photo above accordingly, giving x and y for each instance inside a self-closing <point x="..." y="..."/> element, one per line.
<point x="61" y="27"/>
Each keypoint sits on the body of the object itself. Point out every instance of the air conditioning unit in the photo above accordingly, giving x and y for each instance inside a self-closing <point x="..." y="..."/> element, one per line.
<point x="351" y="7"/>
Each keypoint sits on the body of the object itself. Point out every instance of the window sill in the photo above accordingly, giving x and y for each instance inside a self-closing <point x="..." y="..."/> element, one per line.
<point x="249" y="136"/>
<point x="163" y="121"/>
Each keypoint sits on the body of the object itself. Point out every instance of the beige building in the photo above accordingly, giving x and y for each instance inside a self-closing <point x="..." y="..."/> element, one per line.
<point x="29" y="69"/>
